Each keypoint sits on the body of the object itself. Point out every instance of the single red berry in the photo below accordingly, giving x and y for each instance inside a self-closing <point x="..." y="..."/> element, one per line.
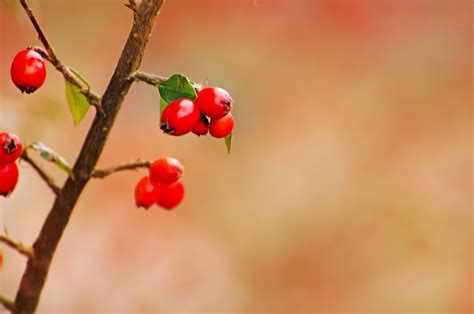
<point x="171" y="195"/>
<point x="146" y="193"/>
<point x="166" y="170"/>
<point x="202" y="127"/>
<point x="222" y="127"/>
<point x="180" y="117"/>
<point x="28" y="71"/>
<point x="10" y="147"/>
<point x="214" y="102"/>
<point x="8" y="178"/>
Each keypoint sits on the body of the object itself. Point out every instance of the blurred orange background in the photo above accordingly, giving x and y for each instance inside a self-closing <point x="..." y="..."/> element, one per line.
<point x="349" y="188"/>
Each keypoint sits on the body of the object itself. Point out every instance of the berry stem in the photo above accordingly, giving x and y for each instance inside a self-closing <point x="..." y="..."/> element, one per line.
<point x="148" y="78"/>
<point x="156" y="80"/>
<point x="46" y="178"/>
<point x="102" y="173"/>
<point x="17" y="246"/>
<point x="92" y="97"/>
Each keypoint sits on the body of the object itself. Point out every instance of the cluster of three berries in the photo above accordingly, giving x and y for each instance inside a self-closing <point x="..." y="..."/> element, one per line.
<point x="184" y="115"/>
<point x="163" y="186"/>
<point x="10" y="151"/>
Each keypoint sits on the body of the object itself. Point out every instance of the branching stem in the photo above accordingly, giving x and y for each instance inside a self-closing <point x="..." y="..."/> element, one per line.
<point x="17" y="246"/>
<point x="102" y="173"/>
<point x="46" y="178"/>
<point x="34" y="277"/>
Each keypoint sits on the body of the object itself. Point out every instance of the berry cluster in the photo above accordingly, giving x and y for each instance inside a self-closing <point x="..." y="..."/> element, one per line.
<point x="162" y="186"/>
<point x="10" y="151"/>
<point x="28" y="71"/>
<point x="184" y="115"/>
<point x="209" y="112"/>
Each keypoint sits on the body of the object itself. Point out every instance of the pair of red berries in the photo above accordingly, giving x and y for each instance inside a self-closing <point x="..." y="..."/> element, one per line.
<point x="28" y="71"/>
<point x="162" y="186"/>
<point x="10" y="151"/>
<point x="184" y="115"/>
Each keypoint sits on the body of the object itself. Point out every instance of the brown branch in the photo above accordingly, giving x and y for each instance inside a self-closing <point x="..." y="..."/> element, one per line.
<point x="102" y="173"/>
<point x="17" y="246"/>
<point x="37" y="268"/>
<point x="92" y="97"/>
<point x="148" y="78"/>
<point x="7" y="303"/>
<point x="46" y="178"/>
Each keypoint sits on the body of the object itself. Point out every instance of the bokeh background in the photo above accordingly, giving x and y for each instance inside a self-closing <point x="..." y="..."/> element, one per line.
<point x="349" y="188"/>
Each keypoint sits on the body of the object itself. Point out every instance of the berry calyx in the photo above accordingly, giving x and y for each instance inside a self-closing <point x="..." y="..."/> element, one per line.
<point x="146" y="193"/>
<point x="8" y="178"/>
<point x="222" y="127"/>
<point x="214" y="102"/>
<point x="28" y="71"/>
<point x="165" y="170"/>
<point x="10" y="147"/>
<point x="202" y="127"/>
<point x="171" y="195"/>
<point x="179" y="117"/>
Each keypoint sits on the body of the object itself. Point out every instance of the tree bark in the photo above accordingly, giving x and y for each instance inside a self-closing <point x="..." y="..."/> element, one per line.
<point x="36" y="272"/>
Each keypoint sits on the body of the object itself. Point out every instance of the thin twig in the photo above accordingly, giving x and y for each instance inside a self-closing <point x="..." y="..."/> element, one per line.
<point x="102" y="173"/>
<point x="7" y="303"/>
<point x="93" y="98"/>
<point x="132" y="5"/>
<point x="148" y="78"/>
<point x="46" y="178"/>
<point x="18" y="246"/>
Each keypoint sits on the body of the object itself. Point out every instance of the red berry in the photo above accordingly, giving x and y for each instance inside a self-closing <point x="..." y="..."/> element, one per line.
<point x="146" y="193"/>
<point x="8" y="178"/>
<point x="180" y="117"/>
<point x="171" y="195"/>
<point x="214" y="102"/>
<point x="166" y="170"/>
<point x="222" y="127"/>
<point x="202" y="127"/>
<point x="10" y="147"/>
<point x="28" y="71"/>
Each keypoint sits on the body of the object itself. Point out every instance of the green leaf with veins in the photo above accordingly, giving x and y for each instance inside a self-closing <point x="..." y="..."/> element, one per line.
<point x="176" y="87"/>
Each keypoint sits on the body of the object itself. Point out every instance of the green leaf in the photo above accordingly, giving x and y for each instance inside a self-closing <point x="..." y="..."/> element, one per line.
<point x="176" y="87"/>
<point x="51" y="156"/>
<point x="228" y="143"/>
<point x="77" y="102"/>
